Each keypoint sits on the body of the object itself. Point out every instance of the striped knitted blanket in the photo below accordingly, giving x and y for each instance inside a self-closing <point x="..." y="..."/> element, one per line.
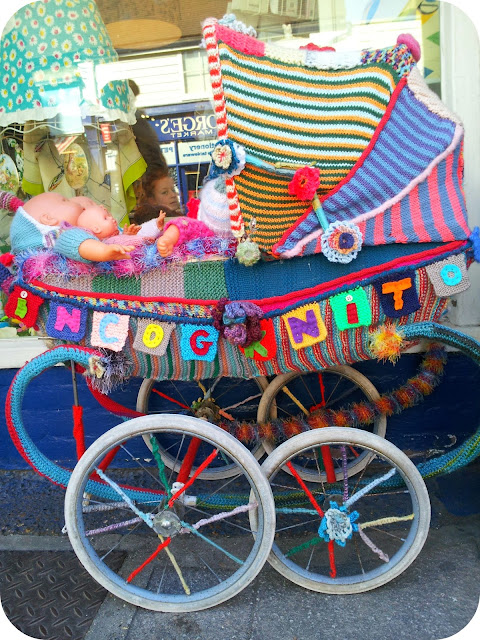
<point x="388" y="150"/>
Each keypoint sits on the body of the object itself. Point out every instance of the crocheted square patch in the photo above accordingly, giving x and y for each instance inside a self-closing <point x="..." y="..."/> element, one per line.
<point x="66" y="321"/>
<point x="163" y="282"/>
<point x="110" y="283"/>
<point x="205" y="280"/>
<point x="198" y="342"/>
<point x="305" y="326"/>
<point x="351" y="309"/>
<point x="398" y="294"/>
<point x="152" y="336"/>
<point x="449" y="276"/>
<point x="265" y="348"/>
<point x="23" y="305"/>
<point x="109" y="330"/>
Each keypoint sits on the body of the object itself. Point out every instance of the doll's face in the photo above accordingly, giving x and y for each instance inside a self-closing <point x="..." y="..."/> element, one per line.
<point x="164" y="194"/>
<point x="52" y="208"/>
<point x="99" y="221"/>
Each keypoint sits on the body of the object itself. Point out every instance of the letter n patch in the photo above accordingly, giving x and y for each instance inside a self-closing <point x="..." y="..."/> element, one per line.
<point x="66" y="321"/>
<point x="305" y="326"/>
<point x="198" y="342"/>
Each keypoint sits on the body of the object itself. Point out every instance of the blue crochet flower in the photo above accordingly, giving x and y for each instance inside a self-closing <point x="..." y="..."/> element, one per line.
<point x="337" y="524"/>
<point x="227" y="158"/>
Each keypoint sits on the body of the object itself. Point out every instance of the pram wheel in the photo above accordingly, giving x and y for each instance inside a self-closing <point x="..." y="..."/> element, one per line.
<point x="349" y="536"/>
<point x="177" y="561"/>
<point x="221" y="399"/>
<point x="299" y="394"/>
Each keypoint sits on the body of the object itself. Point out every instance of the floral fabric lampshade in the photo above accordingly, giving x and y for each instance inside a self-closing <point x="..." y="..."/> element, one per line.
<point x="49" y="51"/>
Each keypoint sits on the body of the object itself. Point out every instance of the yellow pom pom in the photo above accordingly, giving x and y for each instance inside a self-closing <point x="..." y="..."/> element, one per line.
<point x="386" y="342"/>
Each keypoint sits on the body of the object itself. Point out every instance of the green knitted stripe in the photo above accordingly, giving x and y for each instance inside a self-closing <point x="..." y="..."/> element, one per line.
<point x="205" y="280"/>
<point x="109" y="283"/>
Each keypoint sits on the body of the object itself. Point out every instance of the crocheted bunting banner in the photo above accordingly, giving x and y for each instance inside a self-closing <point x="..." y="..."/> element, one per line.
<point x="205" y="280"/>
<point x="23" y="305"/>
<point x="305" y="326"/>
<point x="66" y="321"/>
<point x="265" y="348"/>
<point x="449" y="276"/>
<point x="110" y="283"/>
<point x="351" y="309"/>
<point x="198" y="342"/>
<point x="398" y="295"/>
<point x="109" y="330"/>
<point x="153" y="337"/>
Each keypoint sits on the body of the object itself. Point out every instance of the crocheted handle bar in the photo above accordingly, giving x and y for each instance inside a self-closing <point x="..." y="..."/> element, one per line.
<point x="24" y="444"/>
<point x="433" y="331"/>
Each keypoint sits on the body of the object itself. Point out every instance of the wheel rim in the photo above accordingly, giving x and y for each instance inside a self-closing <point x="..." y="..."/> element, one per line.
<point x="298" y="394"/>
<point x="198" y="568"/>
<point x="237" y="399"/>
<point x="393" y="519"/>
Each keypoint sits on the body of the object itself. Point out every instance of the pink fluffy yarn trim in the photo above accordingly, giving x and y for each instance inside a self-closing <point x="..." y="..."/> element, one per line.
<point x="240" y="41"/>
<point x="412" y="44"/>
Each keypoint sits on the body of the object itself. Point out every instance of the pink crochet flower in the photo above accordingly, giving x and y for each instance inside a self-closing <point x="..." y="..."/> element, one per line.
<point x="305" y="183"/>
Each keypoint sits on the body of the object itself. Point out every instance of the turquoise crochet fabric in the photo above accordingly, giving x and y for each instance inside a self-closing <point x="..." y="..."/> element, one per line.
<point x="69" y="241"/>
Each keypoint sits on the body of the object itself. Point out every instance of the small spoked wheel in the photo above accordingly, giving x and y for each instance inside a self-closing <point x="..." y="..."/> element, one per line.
<point x="293" y="395"/>
<point x="187" y="546"/>
<point x="216" y="400"/>
<point x="352" y="535"/>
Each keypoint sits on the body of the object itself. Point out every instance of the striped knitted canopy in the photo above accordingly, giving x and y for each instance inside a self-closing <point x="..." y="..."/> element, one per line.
<point x="389" y="152"/>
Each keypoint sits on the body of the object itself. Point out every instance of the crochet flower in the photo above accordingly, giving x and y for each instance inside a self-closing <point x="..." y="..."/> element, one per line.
<point x="305" y="183"/>
<point x="341" y="242"/>
<point x="227" y="157"/>
<point x="248" y="253"/>
<point x="337" y="524"/>
<point x="238" y="322"/>
<point x="192" y="207"/>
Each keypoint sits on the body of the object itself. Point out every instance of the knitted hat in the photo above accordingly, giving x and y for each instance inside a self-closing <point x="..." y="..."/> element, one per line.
<point x="213" y="210"/>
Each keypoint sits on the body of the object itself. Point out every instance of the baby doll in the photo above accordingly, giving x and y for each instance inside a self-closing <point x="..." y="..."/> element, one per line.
<point x="97" y="221"/>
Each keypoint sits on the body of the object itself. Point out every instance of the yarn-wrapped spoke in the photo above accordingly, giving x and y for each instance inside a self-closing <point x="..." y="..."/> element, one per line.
<point x="341" y="533"/>
<point x="188" y="542"/>
<point x="219" y="400"/>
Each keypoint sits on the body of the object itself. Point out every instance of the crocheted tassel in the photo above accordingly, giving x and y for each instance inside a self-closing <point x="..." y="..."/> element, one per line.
<point x="386" y="343"/>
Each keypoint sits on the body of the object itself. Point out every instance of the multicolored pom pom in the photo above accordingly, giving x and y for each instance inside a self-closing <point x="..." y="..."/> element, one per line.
<point x="386" y="342"/>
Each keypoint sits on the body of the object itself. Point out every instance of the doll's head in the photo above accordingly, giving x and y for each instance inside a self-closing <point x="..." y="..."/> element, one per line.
<point x="51" y="209"/>
<point x="98" y="220"/>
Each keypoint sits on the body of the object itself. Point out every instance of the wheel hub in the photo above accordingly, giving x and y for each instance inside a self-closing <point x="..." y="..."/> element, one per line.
<point x="167" y="524"/>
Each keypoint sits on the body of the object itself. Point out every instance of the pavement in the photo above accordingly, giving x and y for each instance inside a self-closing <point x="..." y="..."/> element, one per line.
<point x="435" y="598"/>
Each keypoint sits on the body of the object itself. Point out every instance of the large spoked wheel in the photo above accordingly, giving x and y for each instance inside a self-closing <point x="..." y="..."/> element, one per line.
<point x="349" y="536"/>
<point x="294" y="394"/>
<point x="221" y="399"/>
<point x="185" y="551"/>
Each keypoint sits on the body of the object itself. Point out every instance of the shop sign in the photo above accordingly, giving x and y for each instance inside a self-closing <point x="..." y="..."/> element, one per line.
<point x="195" y="151"/>
<point x="168" y="151"/>
<point x="186" y="127"/>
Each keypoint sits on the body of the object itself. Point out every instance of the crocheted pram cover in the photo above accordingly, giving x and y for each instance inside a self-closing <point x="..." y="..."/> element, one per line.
<point x="388" y="150"/>
<point x="314" y="313"/>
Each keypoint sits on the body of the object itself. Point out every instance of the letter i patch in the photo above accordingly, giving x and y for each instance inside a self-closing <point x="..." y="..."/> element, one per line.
<point x="351" y="309"/>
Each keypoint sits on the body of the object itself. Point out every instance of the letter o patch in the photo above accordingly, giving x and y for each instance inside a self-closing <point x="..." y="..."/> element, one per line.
<point x="451" y="274"/>
<point x="153" y="336"/>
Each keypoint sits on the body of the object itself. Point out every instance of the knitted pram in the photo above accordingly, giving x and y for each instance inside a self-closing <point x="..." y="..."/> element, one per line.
<point x="384" y="239"/>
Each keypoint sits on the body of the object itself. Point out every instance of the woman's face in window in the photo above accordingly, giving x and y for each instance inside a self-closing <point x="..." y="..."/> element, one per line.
<point x="165" y="194"/>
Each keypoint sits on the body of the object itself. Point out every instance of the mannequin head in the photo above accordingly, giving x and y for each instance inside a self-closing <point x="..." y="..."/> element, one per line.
<point x="98" y="220"/>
